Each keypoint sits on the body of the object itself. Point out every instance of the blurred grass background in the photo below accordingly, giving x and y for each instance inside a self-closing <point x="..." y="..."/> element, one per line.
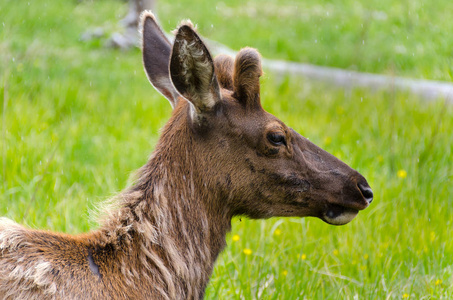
<point x="77" y="119"/>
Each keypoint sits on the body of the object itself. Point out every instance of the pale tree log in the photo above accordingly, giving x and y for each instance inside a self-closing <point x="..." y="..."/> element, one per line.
<point x="426" y="89"/>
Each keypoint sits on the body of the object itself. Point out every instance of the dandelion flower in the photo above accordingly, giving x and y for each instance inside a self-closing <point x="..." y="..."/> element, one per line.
<point x="247" y="251"/>
<point x="335" y="252"/>
<point x="405" y="296"/>
<point x="277" y="232"/>
<point x="303" y="257"/>
<point x="438" y="282"/>
<point x="284" y="273"/>
<point x="401" y="174"/>
<point x="236" y="238"/>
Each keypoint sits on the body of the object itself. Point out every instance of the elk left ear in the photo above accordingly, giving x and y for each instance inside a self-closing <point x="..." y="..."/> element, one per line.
<point x="192" y="70"/>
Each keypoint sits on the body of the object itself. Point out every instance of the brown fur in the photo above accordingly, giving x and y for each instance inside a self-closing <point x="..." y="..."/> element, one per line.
<point x="220" y="155"/>
<point x="224" y="65"/>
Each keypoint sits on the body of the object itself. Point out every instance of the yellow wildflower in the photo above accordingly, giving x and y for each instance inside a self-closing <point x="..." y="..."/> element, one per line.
<point x="438" y="281"/>
<point x="277" y="232"/>
<point x="236" y="238"/>
<point x="405" y="296"/>
<point x="247" y="251"/>
<point x="335" y="252"/>
<point x="401" y="173"/>
<point x="284" y="273"/>
<point x="365" y="256"/>
<point x="303" y="257"/>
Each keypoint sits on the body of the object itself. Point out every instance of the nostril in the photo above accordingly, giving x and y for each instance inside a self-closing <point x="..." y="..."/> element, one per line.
<point x="366" y="192"/>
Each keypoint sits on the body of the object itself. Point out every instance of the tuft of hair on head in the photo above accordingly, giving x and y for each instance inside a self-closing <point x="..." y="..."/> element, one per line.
<point x="223" y="65"/>
<point x="186" y="22"/>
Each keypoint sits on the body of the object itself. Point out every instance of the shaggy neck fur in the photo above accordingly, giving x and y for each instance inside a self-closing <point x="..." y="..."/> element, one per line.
<point x="171" y="219"/>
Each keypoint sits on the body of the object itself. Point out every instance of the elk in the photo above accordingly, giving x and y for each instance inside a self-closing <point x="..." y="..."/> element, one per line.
<point x="220" y="155"/>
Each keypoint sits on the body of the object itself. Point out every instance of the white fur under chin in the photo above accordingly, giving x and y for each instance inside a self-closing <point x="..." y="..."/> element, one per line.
<point x="342" y="219"/>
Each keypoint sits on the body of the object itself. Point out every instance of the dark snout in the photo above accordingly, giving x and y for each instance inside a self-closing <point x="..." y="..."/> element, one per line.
<point x="339" y="190"/>
<point x="358" y="194"/>
<point x="349" y="195"/>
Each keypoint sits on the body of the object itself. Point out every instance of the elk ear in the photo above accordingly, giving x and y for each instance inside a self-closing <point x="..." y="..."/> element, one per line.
<point x="156" y="57"/>
<point x="192" y="70"/>
<point x="246" y="78"/>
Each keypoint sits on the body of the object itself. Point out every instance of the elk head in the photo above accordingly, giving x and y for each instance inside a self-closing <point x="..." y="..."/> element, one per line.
<point x="263" y="167"/>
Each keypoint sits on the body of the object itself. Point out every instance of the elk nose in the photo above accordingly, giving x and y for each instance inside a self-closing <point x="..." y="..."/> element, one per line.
<point x="366" y="192"/>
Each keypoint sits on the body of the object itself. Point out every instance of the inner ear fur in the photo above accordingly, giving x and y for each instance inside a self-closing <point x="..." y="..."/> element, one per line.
<point x="192" y="69"/>
<point x="246" y="77"/>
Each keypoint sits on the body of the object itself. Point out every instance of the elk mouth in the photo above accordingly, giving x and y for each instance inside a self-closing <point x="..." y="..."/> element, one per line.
<point x="339" y="215"/>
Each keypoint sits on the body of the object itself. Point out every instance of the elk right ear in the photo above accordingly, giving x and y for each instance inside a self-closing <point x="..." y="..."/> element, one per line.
<point x="246" y="78"/>
<point x="156" y="57"/>
<point x="192" y="71"/>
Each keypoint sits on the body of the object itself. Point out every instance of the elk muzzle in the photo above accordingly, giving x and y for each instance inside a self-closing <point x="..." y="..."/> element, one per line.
<point x="338" y="192"/>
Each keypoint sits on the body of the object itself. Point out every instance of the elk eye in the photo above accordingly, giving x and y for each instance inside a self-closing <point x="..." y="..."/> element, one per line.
<point x="276" y="138"/>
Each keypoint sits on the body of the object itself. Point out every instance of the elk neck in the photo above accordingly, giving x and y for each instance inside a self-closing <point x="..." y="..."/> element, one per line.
<point x="174" y="212"/>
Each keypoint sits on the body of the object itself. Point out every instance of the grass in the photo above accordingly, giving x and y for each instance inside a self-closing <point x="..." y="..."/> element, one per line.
<point x="406" y="38"/>
<point x="77" y="119"/>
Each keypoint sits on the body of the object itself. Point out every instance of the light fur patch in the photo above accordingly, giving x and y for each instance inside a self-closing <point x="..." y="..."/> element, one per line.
<point x="11" y="235"/>
<point x="197" y="68"/>
<point x="342" y="219"/>
<point x="186" y="22"/>
<point x="21" y="273"/>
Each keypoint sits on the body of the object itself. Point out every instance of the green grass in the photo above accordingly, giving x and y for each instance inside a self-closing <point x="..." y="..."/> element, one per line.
<point x="406" y="37"/>
<point x="77" y="119"/>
